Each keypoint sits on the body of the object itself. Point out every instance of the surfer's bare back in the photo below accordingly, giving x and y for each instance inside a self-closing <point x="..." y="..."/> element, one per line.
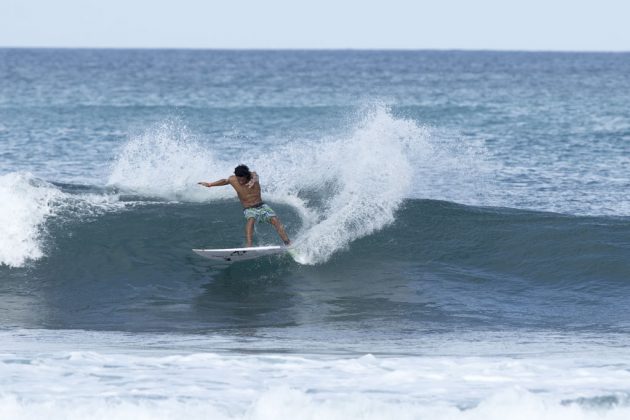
<point x="255" y="210"/>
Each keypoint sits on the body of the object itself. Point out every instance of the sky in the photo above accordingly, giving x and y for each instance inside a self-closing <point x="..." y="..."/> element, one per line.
<point x="553" y="25"/>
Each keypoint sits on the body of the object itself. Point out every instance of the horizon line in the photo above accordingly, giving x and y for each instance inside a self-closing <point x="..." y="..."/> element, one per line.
<point x="315" y="49"/>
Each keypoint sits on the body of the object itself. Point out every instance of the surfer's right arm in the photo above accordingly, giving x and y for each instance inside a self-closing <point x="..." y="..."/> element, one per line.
<point x="218" y="183"/>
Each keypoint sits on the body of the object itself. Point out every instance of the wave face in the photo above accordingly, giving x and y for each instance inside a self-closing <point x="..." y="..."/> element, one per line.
<point x="437" y="264"/>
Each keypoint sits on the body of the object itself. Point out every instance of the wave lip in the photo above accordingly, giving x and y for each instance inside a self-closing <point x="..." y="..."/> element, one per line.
<point x="26" y="203"/>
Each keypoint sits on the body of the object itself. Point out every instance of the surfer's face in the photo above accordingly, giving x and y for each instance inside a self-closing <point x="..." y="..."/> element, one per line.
<point x="241" y="180"/>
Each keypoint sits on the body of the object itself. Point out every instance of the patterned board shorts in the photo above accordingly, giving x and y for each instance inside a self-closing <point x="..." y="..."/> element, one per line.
<point x="262" y="213"/>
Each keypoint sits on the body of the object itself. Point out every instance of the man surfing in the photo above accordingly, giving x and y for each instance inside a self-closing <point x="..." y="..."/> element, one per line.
<point x="255" y="210"/>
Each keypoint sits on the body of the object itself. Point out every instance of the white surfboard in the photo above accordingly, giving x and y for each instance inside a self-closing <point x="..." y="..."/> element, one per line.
<point x="240" y="254"/>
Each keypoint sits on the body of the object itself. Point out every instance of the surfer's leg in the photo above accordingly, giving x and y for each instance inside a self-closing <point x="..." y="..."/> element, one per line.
<point x="249" y="231"/>
<point x="283" y="235"/>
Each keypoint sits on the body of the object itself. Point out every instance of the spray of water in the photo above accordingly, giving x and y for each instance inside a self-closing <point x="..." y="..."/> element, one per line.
<point x="343" y="187"/>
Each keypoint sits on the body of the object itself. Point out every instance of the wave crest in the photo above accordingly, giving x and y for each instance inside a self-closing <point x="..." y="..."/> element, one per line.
<point x="26" y="203"/>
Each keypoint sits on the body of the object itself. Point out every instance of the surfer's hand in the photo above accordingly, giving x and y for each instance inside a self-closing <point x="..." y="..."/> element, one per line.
<point x="205" y="184"/>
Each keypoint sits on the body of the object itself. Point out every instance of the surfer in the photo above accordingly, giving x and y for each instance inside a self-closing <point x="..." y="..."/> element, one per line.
<point x="255" y="210"/>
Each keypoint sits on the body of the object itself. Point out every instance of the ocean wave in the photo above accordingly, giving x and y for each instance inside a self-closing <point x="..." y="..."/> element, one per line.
<point x="335" y="194"/>
<point x="490" y="243"/>
<point x="437" y="264"/>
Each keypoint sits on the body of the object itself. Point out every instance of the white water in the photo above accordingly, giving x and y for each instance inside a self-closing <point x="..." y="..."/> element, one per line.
<point x="116" y="375"/>
<point x="26" y="203"/>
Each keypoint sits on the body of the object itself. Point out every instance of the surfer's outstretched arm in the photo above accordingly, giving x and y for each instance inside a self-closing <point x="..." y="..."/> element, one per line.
<point x="218" y="183"/>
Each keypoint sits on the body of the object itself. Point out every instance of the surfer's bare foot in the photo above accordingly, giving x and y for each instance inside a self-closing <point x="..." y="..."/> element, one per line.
<point x="287" y="242"/>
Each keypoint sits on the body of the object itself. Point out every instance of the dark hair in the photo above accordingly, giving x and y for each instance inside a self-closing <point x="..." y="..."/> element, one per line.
<point x="243" y="170"/>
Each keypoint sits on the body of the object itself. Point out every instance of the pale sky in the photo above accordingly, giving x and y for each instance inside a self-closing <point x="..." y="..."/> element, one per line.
<point x="573" y="25"/>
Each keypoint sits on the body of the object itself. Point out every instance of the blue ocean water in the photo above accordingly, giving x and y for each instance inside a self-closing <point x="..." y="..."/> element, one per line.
<point x="461" y="224"/>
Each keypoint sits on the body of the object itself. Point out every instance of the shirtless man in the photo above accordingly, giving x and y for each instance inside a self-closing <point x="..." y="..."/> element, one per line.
<point x="248" y="190"/>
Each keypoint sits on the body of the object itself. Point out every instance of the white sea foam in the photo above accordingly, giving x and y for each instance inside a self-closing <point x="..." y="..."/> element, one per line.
<point x="123" y="381"/>
<point x="343" y="187"/>
<point x="26" y="203"/>
<point x="286" y="403"/>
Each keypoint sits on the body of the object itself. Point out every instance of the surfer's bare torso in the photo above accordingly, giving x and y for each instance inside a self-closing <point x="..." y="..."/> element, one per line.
<point x="248" y="192"/>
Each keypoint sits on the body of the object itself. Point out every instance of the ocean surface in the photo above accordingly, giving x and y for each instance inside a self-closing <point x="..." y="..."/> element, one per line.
<point x="461" y="223"/>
